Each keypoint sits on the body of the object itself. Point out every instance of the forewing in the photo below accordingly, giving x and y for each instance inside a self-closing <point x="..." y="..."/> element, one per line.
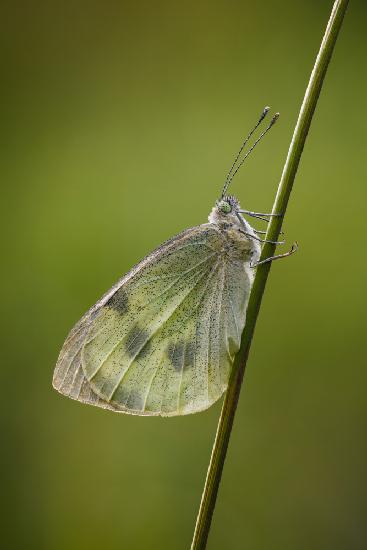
<point x="162" y="341"/>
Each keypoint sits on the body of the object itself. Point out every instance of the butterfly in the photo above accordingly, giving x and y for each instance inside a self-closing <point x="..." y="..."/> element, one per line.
<point x="162" y="340"/>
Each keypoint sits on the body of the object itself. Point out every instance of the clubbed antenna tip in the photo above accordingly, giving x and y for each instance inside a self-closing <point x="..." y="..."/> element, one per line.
<point x="274" y="119"/>
<point x="263" y="114"/>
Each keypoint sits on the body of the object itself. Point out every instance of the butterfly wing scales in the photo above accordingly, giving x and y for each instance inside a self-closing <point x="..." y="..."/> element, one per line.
<point x="162" y="341"/>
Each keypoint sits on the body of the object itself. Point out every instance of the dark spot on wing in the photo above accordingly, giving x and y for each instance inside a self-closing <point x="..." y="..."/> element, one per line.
<point x="189" y="355"/>
<point x="145" y="350"/>
<point x="137" y="342"/>
<point x="181" y="355"/>
<point x="119" y="301"/>
<point x="175" y="354"/>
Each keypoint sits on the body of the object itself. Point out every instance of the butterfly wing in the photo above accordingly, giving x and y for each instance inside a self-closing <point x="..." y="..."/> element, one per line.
<point x="163" y="339"/>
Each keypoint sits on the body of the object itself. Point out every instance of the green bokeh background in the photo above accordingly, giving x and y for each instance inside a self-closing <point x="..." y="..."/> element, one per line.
<point x="119" y="121"/>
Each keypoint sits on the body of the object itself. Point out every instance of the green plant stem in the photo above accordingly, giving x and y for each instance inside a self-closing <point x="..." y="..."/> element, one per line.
<point x="280" y="204"/>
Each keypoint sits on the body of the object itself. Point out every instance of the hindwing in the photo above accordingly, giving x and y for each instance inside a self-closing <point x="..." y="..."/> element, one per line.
<point x="163" y="339"/>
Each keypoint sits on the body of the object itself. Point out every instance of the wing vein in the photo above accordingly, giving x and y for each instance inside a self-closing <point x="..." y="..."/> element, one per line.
<point x="211" y="274"/>
<point x="218" y="328"/>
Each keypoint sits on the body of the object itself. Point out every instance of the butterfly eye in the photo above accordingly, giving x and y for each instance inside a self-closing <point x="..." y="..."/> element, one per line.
<point x="225" y="207"/>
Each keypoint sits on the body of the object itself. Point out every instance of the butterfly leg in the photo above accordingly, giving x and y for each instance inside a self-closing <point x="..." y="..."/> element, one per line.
<point x="272" y="258"/>
<point x="260" y="215"/>
<point x="264" y="232"/>
<point x="258" y="239"/>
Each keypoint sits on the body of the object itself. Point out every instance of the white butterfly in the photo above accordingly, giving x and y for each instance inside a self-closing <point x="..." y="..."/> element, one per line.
<point x="162" y="341"/>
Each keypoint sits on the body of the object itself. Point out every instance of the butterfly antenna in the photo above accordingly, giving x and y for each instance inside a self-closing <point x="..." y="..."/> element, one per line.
<point x="231" y="176"/>
<point x="262" y="116"/>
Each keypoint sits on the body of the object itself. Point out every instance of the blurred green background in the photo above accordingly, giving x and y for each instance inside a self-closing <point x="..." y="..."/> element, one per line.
<point x="119" y="121"/>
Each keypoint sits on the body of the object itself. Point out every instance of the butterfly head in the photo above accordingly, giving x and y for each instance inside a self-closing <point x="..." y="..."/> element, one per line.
<point x="226" y="210"/>
<point x="228" y="205"/>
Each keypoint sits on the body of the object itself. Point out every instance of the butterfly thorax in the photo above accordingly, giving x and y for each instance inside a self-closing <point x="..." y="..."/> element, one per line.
<point x="240" y="239"/>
